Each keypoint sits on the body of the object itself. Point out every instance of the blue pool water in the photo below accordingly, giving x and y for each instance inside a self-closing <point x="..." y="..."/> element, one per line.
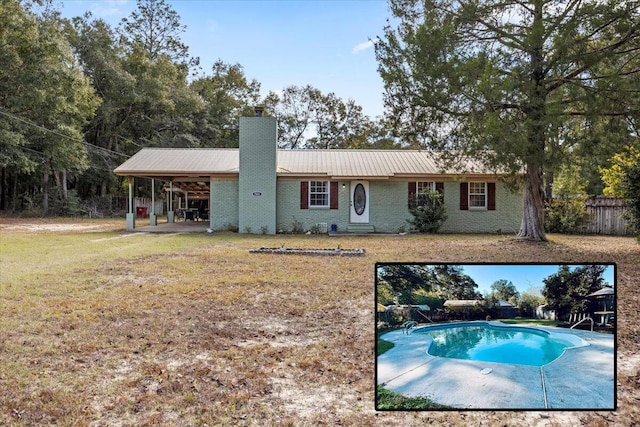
<point x="489" y="343"/>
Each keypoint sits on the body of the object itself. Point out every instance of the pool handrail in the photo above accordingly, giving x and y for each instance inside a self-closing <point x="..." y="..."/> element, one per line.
<point x="586" y="318"/>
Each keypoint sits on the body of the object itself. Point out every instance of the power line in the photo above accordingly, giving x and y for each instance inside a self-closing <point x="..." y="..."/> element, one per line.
<point x="30" y="123"/>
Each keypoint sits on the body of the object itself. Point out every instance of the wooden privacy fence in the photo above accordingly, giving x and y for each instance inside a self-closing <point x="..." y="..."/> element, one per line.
<point x="606" y="216"/>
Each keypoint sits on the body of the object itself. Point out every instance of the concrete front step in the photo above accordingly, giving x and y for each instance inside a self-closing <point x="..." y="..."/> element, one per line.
<point x="360" y="228"/>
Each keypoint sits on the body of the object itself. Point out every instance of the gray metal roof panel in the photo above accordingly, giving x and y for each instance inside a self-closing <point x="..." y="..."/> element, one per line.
<point x="379" y="164"/>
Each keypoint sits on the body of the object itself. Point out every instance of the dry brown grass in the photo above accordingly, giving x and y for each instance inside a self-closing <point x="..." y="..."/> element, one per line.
<point x="101" y="328"/>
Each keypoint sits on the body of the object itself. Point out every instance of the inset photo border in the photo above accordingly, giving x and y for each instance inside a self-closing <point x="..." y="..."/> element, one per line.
<point x="498" y="336"/>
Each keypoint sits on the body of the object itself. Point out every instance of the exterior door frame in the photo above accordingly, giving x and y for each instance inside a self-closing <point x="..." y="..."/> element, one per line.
<point x="359" y="209"/>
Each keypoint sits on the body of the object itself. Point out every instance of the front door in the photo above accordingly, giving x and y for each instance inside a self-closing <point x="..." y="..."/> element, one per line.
<point x="359" y="202"/>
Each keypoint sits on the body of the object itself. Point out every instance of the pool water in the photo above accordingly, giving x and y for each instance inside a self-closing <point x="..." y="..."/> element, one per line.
<point x="489" y="343"/>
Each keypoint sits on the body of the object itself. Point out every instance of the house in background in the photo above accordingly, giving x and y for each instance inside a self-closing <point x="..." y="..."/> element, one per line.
<point x="463" y="304"/>
<point x="506" y="310"/>
<point x="258" y="188"/>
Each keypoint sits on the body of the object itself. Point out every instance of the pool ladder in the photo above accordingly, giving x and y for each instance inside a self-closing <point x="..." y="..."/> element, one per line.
<point x="586" y="318"/>
<point x="407" y="327"/>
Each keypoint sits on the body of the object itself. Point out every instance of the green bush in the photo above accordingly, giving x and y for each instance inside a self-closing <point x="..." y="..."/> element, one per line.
<point x="631" y="189"/>
<point x="429" y="212"/>
<point x="565" y="215"/>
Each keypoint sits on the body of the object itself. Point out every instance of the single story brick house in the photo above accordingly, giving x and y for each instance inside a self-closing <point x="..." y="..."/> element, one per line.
<point x="258" y="188"/>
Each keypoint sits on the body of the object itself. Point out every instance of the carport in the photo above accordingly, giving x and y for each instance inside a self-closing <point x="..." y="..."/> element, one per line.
<point x="186" y="176"/>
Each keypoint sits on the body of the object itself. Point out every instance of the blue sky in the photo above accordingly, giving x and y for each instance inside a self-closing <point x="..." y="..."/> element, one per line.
<point x="279" y="43"/>
<point x="524" y="277"/>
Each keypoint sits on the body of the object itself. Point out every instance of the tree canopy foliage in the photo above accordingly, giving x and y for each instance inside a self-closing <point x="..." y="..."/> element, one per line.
<point x="513" y="83"/>
<point x="408" y="283"/>
<point x="505" y="290"/>
<point x="614" y="176"/>
<point x="566" y="290"/>
<point x="45" y="100"/>
<point x="78" y="97"/>
<point x="307" y="118"/>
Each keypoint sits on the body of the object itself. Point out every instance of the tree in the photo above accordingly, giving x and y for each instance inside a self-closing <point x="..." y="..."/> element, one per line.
<point x="338" y="124"/>
<point x="307" y="118"/>
<point x="401" y="281"/>
<point x="145" y="101"/>
<point x="450" y="282"/>
<point x="631" y="191"/>
<point x="614" y="175"/>
<point x="227" y="95"/>
<point x="155" y="28"/>
<point x="499" y="79"/>
<point x="566" y="290"/>
<point x="529" y="301"/>
<point x="505" y="290"/>
<point x="428" y="210"/>
<point x="103" y="60"/>
<point x="294" y="110"/>
<point x="44" y="100"/>
<point x="567" y="209"/>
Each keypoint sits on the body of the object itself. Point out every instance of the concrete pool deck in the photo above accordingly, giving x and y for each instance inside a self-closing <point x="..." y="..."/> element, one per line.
<point x="582" y="378"/>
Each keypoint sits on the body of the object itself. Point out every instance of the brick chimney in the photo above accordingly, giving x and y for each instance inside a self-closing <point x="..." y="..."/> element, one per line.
<point x="257" y="182"/>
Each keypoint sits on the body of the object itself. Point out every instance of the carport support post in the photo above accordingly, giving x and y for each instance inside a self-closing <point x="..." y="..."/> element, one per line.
<point x="152" y="215"/>
<point x="170" y="211"/>
<point x="211" y="202"/>
<point x="131" y="216"/>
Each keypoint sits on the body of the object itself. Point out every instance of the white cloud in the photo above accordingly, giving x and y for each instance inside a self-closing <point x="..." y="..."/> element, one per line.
<point x="364" y="46"/>
<point x="112" y="8"/>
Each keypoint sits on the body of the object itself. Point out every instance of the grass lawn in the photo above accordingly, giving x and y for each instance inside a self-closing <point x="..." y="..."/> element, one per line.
<point x="384" y="346"/>
<point x="388" y="400"/>
<point x="103" y="327"/>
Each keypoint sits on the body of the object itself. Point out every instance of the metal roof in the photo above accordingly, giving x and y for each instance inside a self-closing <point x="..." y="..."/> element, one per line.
<point x="602" y="293"/>
<point x="180" y="161"/>
<point x="462" y="302"/>
<point x="371" y="164"/>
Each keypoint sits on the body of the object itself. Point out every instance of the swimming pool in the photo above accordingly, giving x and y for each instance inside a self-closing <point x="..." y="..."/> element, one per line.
<point x="491" y="342"/>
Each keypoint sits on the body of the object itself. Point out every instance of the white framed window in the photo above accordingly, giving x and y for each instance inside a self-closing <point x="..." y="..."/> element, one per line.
<point x="422" y="186"/>
<point x="318" y="194"/>
<point x="477" y="195"/>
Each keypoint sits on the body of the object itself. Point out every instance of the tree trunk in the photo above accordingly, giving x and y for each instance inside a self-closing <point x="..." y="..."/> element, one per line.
<point x="548" y="184"/>
<point x="45" y="192"/>
<point x="3" y="197"/>
<point x="532" y="227"/>
<point x="14" y="192"/>
<point x="65" y="190"/>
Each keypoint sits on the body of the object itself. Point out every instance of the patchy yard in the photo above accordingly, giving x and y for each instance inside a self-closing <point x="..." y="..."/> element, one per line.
<point x="102" y="327"/>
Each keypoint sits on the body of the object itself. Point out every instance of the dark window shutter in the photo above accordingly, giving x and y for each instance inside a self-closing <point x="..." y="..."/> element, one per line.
<point x="491" y="196"/>
<point x="333" y="195"/>
<point x="440" y="187"/>
<point x="464" y="196"/>
<point x="304" y="195"/>
<point x="411" y="198"/>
